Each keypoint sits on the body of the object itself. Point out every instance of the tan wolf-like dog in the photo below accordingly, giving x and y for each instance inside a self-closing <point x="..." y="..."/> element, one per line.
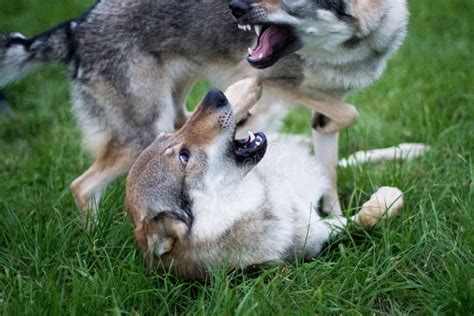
<point x="200" y="199"/>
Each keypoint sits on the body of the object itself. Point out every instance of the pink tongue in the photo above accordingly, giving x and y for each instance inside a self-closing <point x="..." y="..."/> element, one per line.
<point x="269" y="41"/>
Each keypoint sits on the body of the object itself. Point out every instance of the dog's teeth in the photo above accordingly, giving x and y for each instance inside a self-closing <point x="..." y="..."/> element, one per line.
<point x="257" y="144"/>
<point x="258" y="29"/>
<point x="251" y="137"/>
<point x="248" y="27"/>
<point x="240" y="26"/>
<point x="260" y="56"/>
<point x="250" y="51"/>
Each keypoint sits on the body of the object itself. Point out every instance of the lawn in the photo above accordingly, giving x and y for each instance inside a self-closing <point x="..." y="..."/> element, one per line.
<point x="418" y="263"/>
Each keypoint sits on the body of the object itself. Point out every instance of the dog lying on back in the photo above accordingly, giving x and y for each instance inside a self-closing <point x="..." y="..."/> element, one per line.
<point x="200" y="199"/>
<point x="133" y="62"/>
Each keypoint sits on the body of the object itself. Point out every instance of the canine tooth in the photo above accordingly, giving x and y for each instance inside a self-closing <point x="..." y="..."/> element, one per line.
<point x="250" y="51"/>
<point x="258" y="29"/>
<point x="249" y="28"/>
<point x="252" y="136"/>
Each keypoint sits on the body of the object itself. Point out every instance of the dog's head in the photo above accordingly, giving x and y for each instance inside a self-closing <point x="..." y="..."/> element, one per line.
<point x="160" y="184"/>
<point x="285" y="26"/>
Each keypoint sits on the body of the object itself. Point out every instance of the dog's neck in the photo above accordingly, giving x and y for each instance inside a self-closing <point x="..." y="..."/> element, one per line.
<point x="216" y="207"/>
<point x="376" y="38"/>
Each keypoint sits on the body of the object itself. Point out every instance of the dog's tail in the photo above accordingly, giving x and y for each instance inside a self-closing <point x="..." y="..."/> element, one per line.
<point x="405" y="152"/>
<point x="20" y="55"/>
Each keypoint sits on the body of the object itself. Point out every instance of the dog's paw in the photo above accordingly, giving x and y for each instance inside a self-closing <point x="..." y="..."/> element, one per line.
<point x="243" y="95"/>
<point x="384" y="203"/>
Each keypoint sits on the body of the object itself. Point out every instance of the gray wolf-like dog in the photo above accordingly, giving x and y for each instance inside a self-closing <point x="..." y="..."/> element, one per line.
<point x="200" y="199"/>
<point x="133" y="62"/>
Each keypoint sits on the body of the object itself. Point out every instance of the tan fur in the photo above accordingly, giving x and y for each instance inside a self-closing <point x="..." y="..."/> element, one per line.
<point x="131" y="72"/>
<point x="88" y="188"/>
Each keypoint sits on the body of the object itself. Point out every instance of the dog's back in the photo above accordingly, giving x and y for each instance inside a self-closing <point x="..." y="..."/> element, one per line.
<point x="132" y="64"/>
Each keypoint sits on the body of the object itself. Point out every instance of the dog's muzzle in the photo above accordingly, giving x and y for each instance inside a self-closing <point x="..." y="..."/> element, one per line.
<point x="239" y="8"/>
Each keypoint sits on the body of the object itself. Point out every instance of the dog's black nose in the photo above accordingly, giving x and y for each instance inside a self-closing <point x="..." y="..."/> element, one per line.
<point x="239" y="8"/>
<point x="215" y="99"/>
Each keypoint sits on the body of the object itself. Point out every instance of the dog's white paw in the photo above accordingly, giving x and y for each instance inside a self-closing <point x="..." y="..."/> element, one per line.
<point x="384" y="203"/>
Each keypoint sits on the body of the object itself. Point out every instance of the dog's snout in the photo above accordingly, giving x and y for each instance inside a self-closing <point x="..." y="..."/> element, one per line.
<point x="215" y="99"/>
<point x="239" y="8"/>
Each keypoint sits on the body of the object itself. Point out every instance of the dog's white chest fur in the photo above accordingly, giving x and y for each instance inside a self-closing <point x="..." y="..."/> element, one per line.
<point x="272" y="206"/>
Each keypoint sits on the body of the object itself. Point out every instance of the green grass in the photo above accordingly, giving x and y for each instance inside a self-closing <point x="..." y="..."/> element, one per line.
<point x="419" y="263"/>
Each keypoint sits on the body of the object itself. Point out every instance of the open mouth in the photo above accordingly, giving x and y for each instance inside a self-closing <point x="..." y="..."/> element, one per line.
<point x="273" y="43"/>
<point x="252" y="148"/>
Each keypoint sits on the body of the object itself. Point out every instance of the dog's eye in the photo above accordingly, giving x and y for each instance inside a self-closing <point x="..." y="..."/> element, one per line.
<point x="184" y="156"/>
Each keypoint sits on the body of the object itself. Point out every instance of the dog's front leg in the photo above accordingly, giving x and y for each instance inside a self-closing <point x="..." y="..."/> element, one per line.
<point x="326" y="146"/>
<point x="330" y="116"/>
<point x="327" y="153"/>
<point x="243" y="95"/>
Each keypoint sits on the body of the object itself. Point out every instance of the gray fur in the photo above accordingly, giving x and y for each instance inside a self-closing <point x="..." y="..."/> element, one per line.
<point x="132" y="63"/>
<point x="234" y="215"/>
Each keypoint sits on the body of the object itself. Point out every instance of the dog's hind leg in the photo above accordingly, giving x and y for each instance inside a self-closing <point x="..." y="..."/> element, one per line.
<point x="402" y="152"/>
<point x="384" y="203"/>
<point x="111" y="163"/>
<point x="327" y="153"/>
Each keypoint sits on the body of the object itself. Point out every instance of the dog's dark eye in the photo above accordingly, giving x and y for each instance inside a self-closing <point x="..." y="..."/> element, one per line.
<point x="184" y="156"/>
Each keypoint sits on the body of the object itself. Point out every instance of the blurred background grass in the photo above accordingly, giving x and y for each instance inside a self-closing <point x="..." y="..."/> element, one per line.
<point x="420" y="262"/>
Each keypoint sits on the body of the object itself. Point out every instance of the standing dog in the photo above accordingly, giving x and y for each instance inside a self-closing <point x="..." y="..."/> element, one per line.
<point x="132" y="63"/>
<point x="201" y="199"/>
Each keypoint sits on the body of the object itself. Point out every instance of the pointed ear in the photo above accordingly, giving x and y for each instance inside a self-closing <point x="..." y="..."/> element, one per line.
<point x="142" y="240"/>
<point x="165" y="230"/>
<point x="368" y="13"/>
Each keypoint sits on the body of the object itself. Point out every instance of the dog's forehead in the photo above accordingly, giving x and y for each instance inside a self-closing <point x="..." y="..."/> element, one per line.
<point x="166" y="144"/>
